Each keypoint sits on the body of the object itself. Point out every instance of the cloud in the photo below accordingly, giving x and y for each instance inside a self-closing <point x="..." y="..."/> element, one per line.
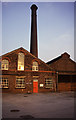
<point x="65" y="38"/>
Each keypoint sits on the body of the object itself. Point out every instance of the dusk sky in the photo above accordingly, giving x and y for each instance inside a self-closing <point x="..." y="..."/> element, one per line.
<point x="55" y="28"/>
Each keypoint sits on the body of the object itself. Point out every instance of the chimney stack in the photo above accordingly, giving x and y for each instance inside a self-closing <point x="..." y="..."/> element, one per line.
<point x="33" y="45"/>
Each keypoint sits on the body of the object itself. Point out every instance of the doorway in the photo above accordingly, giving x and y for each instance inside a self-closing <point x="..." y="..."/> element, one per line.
<point x="35" y="86"/>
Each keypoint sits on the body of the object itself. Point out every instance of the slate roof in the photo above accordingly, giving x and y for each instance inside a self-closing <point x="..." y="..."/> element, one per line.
<point x="59" y="57"/>
<point x="54" y="60"/>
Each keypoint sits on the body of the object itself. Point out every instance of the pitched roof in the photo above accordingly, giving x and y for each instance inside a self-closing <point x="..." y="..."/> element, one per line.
<point x="21" y="48"/>
<point x="65" y="54"/>
<point x="54" y="60"/>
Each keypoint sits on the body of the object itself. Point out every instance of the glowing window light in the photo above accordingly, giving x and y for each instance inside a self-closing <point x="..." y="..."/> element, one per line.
<point x="4" y="64"/>
<point x="20" y="61"/>
<point x="35" y="66"/>
<point x="3" y="82"/>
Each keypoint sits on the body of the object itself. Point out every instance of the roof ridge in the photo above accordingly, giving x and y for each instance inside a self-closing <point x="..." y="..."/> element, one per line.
<point x="28" y="53"/>
<point x="16" y="50"/>
<point x="55" y="59"/>
<point x="11" y="51"/>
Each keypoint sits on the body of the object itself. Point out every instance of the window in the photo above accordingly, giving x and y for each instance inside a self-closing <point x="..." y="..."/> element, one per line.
<point x="3" y="82"/>
<point x="35" y="66"/>
<point x="20" y="82"/>
<point x="20" y="61"/>
<point x="4" y="65"/>
<point x="48" y="83"/>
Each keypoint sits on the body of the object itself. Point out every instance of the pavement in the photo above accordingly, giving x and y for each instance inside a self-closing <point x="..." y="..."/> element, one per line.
<point x="40" y="105"/>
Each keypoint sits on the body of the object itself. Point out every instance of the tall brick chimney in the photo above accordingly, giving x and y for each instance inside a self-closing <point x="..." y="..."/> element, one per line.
<point x="33" y="45"/>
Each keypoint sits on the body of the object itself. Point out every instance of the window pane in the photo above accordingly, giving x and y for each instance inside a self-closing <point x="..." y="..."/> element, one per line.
<point x="35" y="66"/>
<point x="20" y="61"/>
<point x="3" y="82"/>
<point x="4" y="65"/>
<point x="20" y="83"/>
<point x="48" y="83"/>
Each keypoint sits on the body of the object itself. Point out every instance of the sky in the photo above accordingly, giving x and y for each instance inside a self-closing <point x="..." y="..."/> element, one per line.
<point x="55" y="28"/>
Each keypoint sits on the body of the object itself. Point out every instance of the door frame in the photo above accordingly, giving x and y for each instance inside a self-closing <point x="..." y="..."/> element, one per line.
<point x="35" y="80"/>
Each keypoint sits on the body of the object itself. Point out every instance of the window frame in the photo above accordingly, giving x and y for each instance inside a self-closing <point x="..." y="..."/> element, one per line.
<point x="49" y="83"/>
<point x="3" y="84"/>
<point x="19" y="63"/>
<point x="6" y="66"/>
<point x="16" y="84"/>
<point x="35" y="67"/>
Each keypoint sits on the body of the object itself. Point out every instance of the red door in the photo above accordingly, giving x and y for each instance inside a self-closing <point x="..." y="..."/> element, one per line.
<point x="35" y="86"/>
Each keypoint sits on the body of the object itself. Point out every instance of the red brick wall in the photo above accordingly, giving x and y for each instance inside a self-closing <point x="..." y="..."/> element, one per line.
<point x="29" y="77"/>
<point x="67" y="87"/>
<point x="29" y="58"/>
<point x="63" y="64"/>
<point x="43" y="72"/>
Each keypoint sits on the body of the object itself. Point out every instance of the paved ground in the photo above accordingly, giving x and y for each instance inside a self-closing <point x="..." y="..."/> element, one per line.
<point x="41" y="105"/>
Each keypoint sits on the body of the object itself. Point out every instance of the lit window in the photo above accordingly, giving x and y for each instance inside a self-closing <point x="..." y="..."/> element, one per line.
<point x="3" y="82"/>
<point x="35" y="66"/>
<point x="4" y="65"/>
<point x="20" y="82"/>
<point x="20" y="61"/>
<point x="48" y="83"/>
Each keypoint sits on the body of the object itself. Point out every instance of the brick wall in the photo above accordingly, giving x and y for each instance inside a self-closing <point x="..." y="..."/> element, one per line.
<point x="64" y="64"/>
<point x="29" y="77"/>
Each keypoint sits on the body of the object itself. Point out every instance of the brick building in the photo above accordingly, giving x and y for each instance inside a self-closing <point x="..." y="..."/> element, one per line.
<point x="66" y="69"/>
<point x="22" y="71"/>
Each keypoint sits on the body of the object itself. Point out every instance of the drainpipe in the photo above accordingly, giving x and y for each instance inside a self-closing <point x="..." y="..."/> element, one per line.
<point x="57" y="83"/>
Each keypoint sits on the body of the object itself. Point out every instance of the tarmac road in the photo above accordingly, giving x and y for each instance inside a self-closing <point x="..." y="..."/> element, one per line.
<point x="40" y="105"/>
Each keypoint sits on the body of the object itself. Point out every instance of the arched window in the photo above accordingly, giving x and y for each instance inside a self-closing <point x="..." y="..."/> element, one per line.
<point x="4" y="64"/>
<point x="35" y="66"/>
<point x="20" y="61"/>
